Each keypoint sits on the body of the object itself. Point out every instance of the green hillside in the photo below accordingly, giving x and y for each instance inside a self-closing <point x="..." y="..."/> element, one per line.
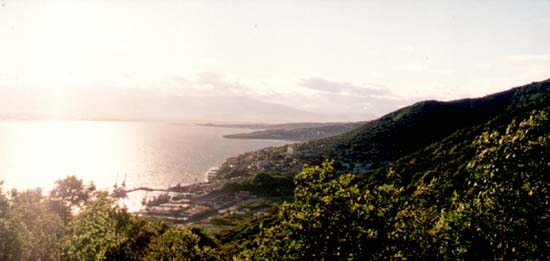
<point x="480" y="193"/>
<point x="299" y="133"/>
<point x="386" y="139"/>
<point x="406" y="130"/>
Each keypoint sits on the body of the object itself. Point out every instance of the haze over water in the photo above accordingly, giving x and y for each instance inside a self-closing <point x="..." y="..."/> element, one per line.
<point x="37" y="153"/>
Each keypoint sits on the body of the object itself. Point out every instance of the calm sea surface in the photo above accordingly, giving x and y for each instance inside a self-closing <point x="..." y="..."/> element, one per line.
<point x="37" y="153"/>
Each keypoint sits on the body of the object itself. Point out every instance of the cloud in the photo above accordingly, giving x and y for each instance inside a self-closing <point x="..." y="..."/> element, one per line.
<point x="219" y="84"/>
<point x="180" y="81"/>
<point x="203" y="84"/>
<point x="343" y="100"/>
<point x="108" y="102"/>
<point x="341" y="106"/>
<point x="529" y="58"/>
<point x="344" y="88"/>
<point x="205" y="96"/>
<point x="210" y="78"/>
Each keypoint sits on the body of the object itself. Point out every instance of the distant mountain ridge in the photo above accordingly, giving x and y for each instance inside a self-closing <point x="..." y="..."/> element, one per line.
<point x="405" y="130"/>
<point x="96" y="103"/>
<point x="277" y="126"/>
<point x="388" y="138"/>
<point x="298" y="131"/>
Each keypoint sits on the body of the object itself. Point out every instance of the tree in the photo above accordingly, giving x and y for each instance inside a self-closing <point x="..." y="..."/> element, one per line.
<point x="96" y="230"/>
<point x="45" y="228"/>
<point x="13" y="234"/>
<point x="135" y="234"/>
<point x="14" y="243"/>
<point x="180" y="243"/>
<point x="510" y="189"/>
<point x="69" y="195"/>
<point x="332" y="217"/>
<point x="3" y="202"/>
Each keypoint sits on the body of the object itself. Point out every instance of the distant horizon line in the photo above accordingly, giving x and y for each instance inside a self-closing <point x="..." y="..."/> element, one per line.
<point x="213" y="123"/>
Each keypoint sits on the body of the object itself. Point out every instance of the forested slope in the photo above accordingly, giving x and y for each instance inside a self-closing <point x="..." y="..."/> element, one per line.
<point x="384" y="140"/>
<point x="480" y="194"/>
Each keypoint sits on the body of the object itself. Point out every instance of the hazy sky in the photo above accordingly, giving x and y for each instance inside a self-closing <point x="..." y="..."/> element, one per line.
<point x="343" y="57"/>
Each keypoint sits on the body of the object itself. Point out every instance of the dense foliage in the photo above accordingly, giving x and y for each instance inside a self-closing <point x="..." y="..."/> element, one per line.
<point x="501" y="211"/>
<point x="36" y="227"/>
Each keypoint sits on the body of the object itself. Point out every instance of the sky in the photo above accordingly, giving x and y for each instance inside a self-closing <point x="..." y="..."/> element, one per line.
<point x="297" y="60"/>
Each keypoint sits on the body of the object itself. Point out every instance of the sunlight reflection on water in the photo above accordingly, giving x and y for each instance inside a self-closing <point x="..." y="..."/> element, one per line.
<point x="37" y="153"/>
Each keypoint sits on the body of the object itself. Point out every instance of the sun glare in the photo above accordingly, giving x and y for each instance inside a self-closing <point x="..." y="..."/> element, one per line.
<point x="51" y="150"/>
